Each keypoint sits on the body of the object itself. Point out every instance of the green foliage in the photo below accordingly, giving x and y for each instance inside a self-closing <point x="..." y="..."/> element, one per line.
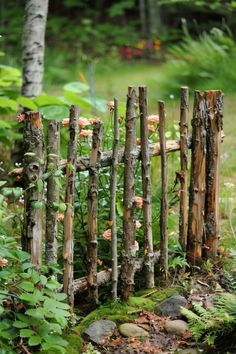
<point x="198" y="62"/>
<point x="213" y="322"/>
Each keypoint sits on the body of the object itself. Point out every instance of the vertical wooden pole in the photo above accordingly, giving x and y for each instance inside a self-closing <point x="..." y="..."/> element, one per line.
<point x="128" y="261"/>
<point x="197" y="182"/>
<point x="53" y="160"/>
<point x="147" y="193"/>
<point x="164" y="191"/>
<point x="93" y="212"/>
<point x="113" y="187"/>
<point x="69" y="201"/>
<point x="214" y="107"/>
<point x="183" y="219"/>
<point x="33" y="168"/>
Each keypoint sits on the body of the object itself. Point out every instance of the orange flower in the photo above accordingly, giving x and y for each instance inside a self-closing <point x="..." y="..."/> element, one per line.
<point x="60" y="216"/>
<point x="110" y="105"/>
<point x="135" y="247"/>
<point x="151" y="128"/>
<point x="65" y="121"/>
<point x="85" y="133"/>
<point x="107" y="235"/>
<point x="137" y="224"/>
<point x="138" y="202"/>
<point x="20" y="117"/>
<point x="83" y="122"/>
<point x="153" y="119"/>
<point x="3" y="262"/>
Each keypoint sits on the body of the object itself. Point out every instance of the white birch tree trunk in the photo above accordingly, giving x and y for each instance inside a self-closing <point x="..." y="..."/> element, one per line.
<point x="33" y="40"/>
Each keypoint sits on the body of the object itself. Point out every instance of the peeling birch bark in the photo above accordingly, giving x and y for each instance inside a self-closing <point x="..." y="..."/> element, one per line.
<point x="53" y="158"/>
<point x="147" y="192"/>
<point x="68" y="246"/>
<point x="93" y="212"/>
<point x="113" y="187"/>
<point x="82" y="164"/>
<point x="33" y="39"/>
<point x="128" y="256"/>
<point x="183" y="218"/>
<point x="197" y="182"/>
<point x="214" y="108"/>
<point x="33" y="168"/>
<point x="164" y="191"/>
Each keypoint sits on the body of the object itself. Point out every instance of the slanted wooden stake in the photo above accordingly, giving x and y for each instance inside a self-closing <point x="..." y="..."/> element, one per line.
<point x="147" y="193"/>
<point x="53" y="160"/>
<point x="197" y="182"/>
<point x="164" y="191"/>
<point x="113" y="187"/>
<point x="183" y="214"/>
<point x="93" y="213"/>
<point x="128" y="261"/>
<point x="33" y="168"/>
<point x="214" y="107"/>
<point x="69" y="200"/>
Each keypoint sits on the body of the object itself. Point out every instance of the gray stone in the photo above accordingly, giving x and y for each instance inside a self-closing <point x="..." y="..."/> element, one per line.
<point x="178" y="327"/>
<point x="171" y="306"/>
<point x="132" y="330"/>
<point x="99" y="331"/>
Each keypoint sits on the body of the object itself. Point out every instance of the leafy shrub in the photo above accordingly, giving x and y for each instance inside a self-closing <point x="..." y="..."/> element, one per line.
<point x="207" y="62"/>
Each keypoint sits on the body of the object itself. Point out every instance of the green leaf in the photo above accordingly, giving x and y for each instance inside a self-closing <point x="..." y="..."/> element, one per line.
<point x="27" y="286"/>
<point x="52" y="284"/>
<point x="55" y="339"/>
<point x="34" y="340"/>
<point x="38" y="313"/>
<point x="24" y="333"/>
<point x="27" y="102"/>
<point x="76" y="87"/>
<point x="55" y="112"/>
<point x="75" y="99"/>
<point x="43" y="280"/>
<point x="20" y="324"/>
<point x="8" y="103"/>
<point x="1" y="309"/>
<point x="60" y="296"/>
<point x="44" y="329"/>
<point x="38" y="204"/>
<point x="39" y="185"/>
<point x="2" y="183"/>
<point x="46" y="100"/>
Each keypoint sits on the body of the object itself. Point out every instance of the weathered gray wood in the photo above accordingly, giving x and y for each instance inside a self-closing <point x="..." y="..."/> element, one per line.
<point x="82" y="164"/>
<point x="164" y="191"/>
<point x="33" y="168"/>
<point x="69" y="201"/>
<point x="147" y="193"/>
<point x="113" y="188"/>
<point x="53" y="159"/>
<point x="128" y="256"/>
<point x="183" y="219"/>
<point x="197" y="182"/>
<point x="214" y="108"/>
<point x="33" y="47"/>
<point x="93" y="212"/>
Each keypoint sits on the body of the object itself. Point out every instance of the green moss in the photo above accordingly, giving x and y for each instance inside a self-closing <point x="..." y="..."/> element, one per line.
<point x="157" y="295"/>
<point x="142" y="303"/>
<point x="75" y="343"/>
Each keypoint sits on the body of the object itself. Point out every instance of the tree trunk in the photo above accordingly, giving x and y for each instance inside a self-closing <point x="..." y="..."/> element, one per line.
<point x="143" y="17"/>
<point x="113" y="188"/>
<point x="154" y="18"/>
<point x="197" y="182"/>
<point x="128" y="261"/>
<point x="214" y="107"/>
<point x="53" y="158"/>
<point x="183" y="218"/>
<point x="164" y="191"/>
<point x="93" y="186"/>
<point x="68" y="247"/>
<point x="33" y="39"/>
<point x="33" y="168"/>
<point x="147" y="192"/>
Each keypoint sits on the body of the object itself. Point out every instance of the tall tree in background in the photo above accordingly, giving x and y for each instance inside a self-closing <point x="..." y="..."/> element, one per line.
<point x="33" y="39"/>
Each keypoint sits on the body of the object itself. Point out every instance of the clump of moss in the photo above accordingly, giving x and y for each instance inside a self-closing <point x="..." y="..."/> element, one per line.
<point x="158" y="294"/>
<point x="142" y="303"/>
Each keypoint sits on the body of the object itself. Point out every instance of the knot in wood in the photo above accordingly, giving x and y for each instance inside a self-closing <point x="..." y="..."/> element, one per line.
<point x="196" y="122"/>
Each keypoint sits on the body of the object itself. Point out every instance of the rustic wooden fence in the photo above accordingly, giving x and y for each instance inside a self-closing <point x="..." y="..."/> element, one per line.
<point x="198" y="216"/>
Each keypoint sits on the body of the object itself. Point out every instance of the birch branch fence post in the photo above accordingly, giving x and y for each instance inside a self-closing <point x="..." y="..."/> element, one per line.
<point x="68" y="245"/>
<point x="93" y="186"/>
<point x="128" y="257"/>
<point x="214" y="109"/>
<point x="197" y="182"/>
<point x="147" y="193"/>
<point x="33" y="168"/>
<point x="53" y="159"/>
<point x="113" y="187"/>
<point x="164" y="191"/>
<point x="183" y="217"/>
